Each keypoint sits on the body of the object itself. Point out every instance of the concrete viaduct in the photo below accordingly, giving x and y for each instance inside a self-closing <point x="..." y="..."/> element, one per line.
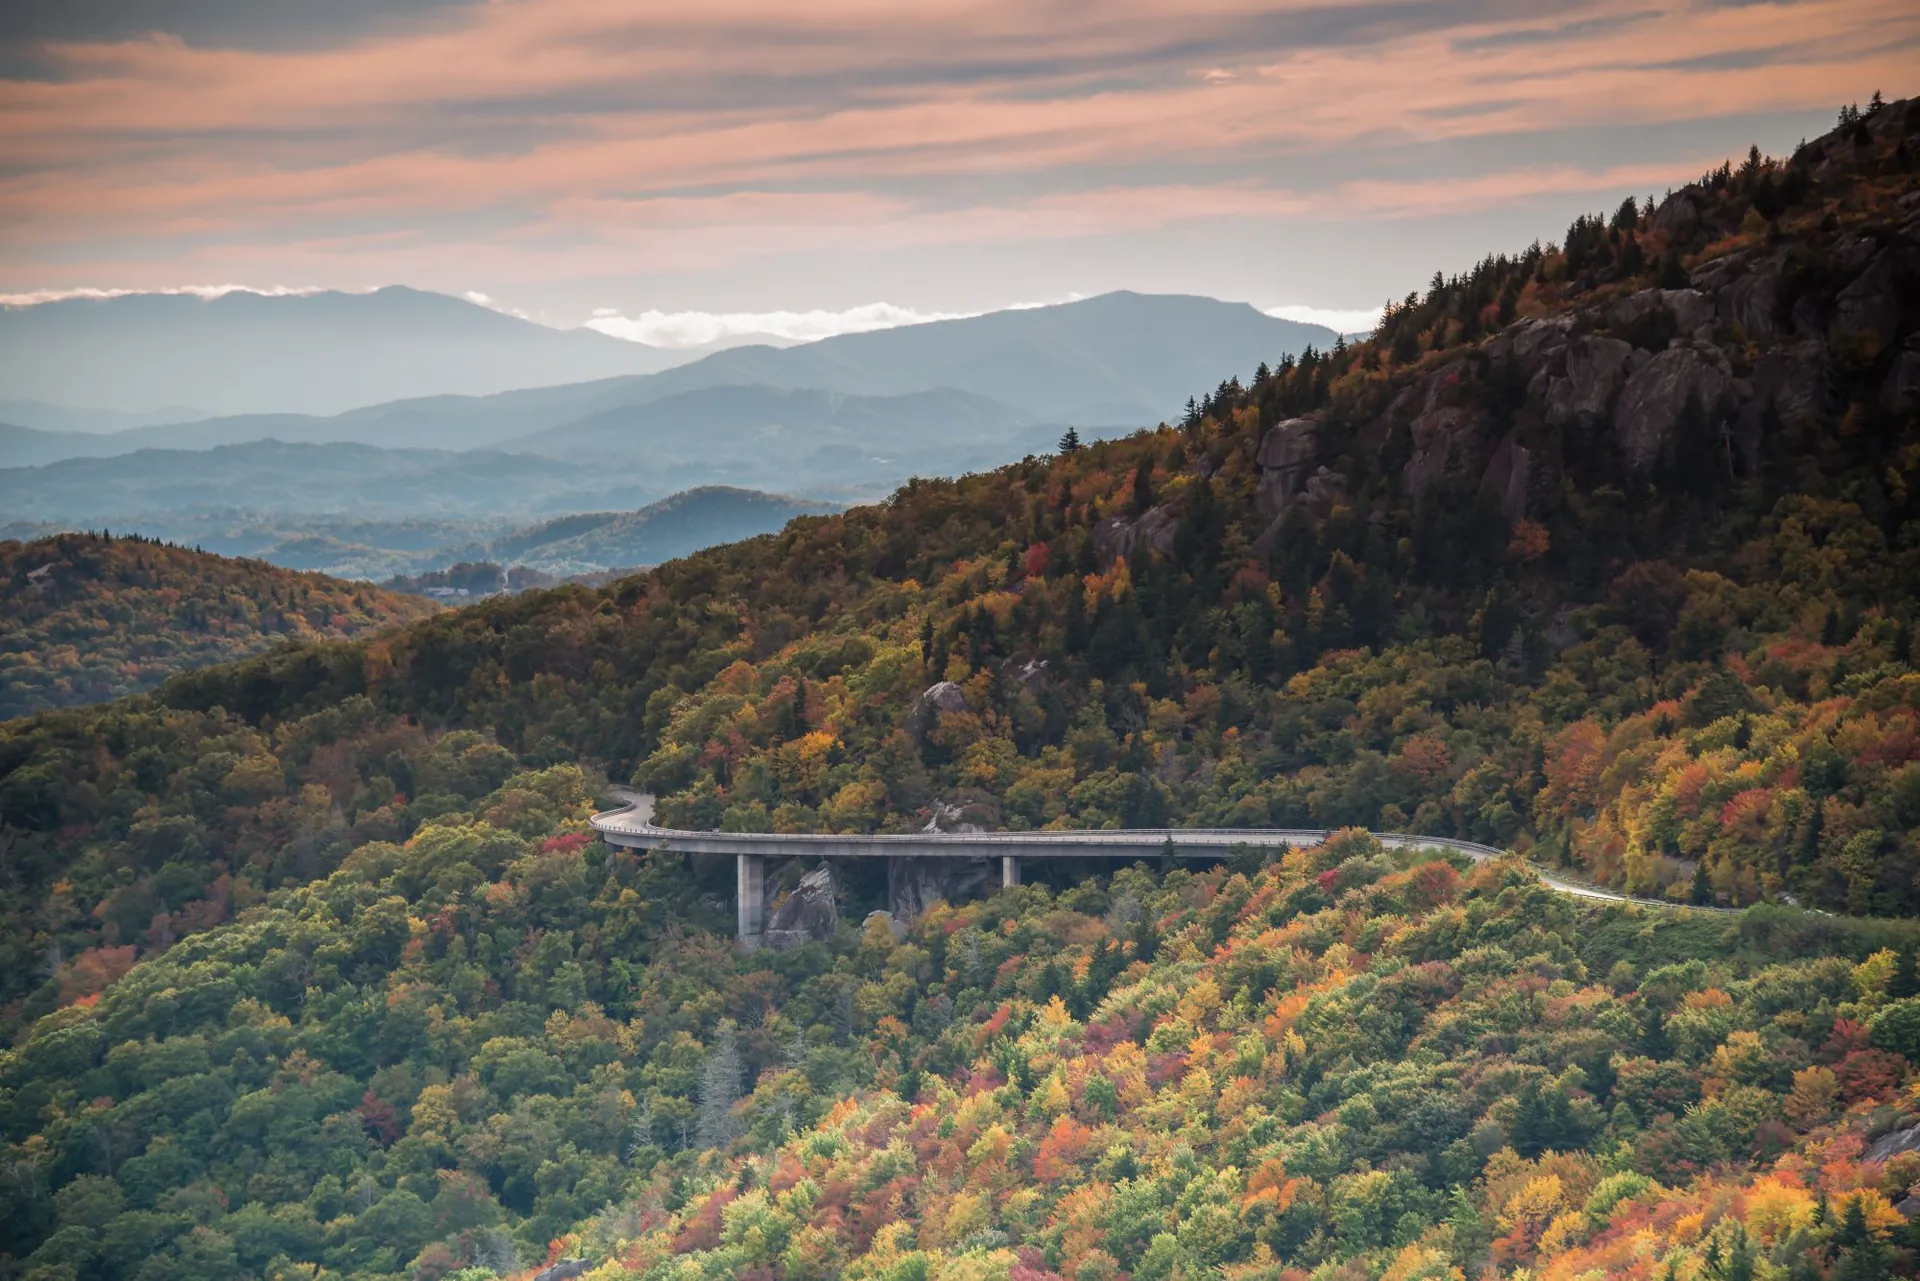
<point x="632" y="826"/>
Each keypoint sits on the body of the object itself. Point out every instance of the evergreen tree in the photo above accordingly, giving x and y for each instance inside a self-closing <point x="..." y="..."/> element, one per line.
<point x="1905" y="981"/>
<point x="1070" y="442"/>
<point x="1701" y="893"/>
<point x="1143" y="485"/>
<point x="1863" y="1257"/>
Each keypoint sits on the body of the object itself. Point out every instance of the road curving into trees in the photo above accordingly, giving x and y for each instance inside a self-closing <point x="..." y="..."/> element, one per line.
<point x="631" y="824"/>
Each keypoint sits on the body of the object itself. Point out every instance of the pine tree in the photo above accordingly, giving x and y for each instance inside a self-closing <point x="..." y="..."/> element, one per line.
<point x="1905" y="981"/>
<point x="1070" y="442"/>
<point x="1863" y="1257"/>
<point x="1143" y="485"/>
<point x="1701" y="894"/>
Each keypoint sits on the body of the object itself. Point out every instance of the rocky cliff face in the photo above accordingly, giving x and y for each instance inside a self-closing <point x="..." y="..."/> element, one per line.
<point x="1749" y="326"/>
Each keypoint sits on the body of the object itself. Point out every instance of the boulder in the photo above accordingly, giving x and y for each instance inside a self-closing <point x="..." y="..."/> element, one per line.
<point x="1676" y="214"/>
<point x="944" y="696"/>
<point x="811" y="910"/>
<point x="1689" y="308"/>
<point x="1529" y="339"/>
<point x="1030" y="672"/>
<point x="1434" y="435"/>
<point x="1325" y="488"/>
<point x="1868" y="310"/>
<point x="941" y="696"/>
<point x="1656" y="395"/>
<point x="915" y="884"/>
<point x="1285" y="458"/>
<point x="1851" y="255"/>
<point x="563" y="1270"/>
<point x="1792" y="381"/>
<point x="1751" y="302"/>
<point x="1715" y="274"/>
<point x="1596" y="367"/>
<point x="1116" y="537"/>
<point x="951" y="818"/>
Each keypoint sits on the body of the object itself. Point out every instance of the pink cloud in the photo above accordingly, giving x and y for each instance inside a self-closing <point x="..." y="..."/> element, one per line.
<point x="862" y="123"/>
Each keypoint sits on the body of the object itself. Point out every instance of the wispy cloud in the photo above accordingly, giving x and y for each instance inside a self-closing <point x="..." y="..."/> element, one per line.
<point x="35" y="297"/>
<point x="705" y="328"/>
<point x="572" y="138"/>
<point x="1334" y="318"/>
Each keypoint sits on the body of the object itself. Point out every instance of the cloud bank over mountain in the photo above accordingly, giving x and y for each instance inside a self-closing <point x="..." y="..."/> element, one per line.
<point x="706" y="329"/>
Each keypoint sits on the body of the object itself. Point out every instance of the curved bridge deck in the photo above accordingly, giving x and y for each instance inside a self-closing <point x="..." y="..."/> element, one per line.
<point x="631" y="826"/>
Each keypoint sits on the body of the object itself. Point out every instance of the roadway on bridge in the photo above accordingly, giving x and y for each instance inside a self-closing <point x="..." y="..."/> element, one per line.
<point x="632" y="825"/>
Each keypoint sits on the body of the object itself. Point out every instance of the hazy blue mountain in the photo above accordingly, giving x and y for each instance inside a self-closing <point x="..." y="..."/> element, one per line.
<point x="289" y="480"/>
<point x="422" y="422"/>
<point x="317" y="353"/>
<point x="41" y="416"/>
<point x="675" y="526"/>
<point x="30" y="447"/>
<point x="1121" y="360"/>
<point x="815" y="441"/>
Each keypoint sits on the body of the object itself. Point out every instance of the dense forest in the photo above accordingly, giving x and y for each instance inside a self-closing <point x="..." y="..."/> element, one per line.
<point x="90" y="617"/>
<point x="1607" y="552"/>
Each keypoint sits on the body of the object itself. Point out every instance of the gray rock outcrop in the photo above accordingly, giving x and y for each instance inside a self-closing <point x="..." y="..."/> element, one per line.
<point x="916" y="884"/>
<point x="1868" y="310"/>
<point x="1657" y="394"/>
<point x="1690" y="308"/>
<point x="1892" y="1144"/>
<point x="811" y="910"/>
<point x="1285" y="459"/>
<point x="1677" y="213"/>
<point x="1792" y="381"/>
<point x="1116" y="537"/>
<point x="1750" y="303"/>
<point x="1596" y="369"/>
<point x="945" y="696"/>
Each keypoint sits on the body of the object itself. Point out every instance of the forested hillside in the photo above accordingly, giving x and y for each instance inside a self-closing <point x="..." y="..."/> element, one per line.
<point x="90" y="617"/>
<point x="1607" y="552"/>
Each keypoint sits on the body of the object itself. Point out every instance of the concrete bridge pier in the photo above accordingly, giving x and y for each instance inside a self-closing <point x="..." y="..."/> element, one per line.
<point x="750" y="896"/>
<point x="1009" y="871"/>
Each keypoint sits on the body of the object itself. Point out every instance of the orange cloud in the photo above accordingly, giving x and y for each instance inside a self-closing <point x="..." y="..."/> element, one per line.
<point x="550" y="131"/>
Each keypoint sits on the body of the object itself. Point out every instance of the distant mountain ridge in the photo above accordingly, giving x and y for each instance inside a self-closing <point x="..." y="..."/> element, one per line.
<point x="1119" y="360"/>
<point x="320" y="353"/>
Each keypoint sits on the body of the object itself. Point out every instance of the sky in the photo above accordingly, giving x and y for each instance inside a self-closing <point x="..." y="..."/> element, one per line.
<point x="672" y="169"/>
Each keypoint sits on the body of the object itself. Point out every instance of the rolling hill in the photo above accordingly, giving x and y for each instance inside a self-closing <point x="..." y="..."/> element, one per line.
<point x="667" y="530"/>
<point x="89" y="618"/>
